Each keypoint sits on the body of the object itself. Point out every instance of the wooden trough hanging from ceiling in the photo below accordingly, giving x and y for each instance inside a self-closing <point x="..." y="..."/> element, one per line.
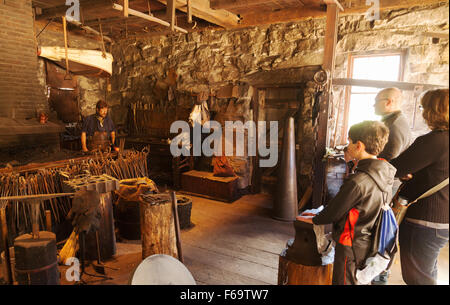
<point x="81" y="62"/>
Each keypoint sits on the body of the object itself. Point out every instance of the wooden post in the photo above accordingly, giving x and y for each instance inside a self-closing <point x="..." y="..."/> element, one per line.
<point x="331" y="38"/>
<point x="189" y="10"/>
<point x="125" y="8"/>
<point x="170" y="13"/>
<point x="322" y="136"/>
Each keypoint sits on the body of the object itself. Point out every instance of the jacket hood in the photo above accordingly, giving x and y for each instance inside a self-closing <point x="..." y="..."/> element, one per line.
<point x="381" y="171"/>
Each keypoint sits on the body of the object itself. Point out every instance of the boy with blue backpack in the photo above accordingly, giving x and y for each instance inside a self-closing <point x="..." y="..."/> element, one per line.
<point x="357" y="211"/>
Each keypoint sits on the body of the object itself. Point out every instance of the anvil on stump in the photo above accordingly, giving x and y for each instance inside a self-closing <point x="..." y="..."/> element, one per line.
<point x="104" y="185"/>
<point x="300" y="262"/>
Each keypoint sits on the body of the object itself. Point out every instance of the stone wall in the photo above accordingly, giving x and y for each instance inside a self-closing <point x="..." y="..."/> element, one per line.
<point x="208" y="60"/>
<point x="426" y="60"/>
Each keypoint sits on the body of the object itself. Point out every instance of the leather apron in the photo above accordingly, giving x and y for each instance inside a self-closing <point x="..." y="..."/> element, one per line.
<point x="99" y="141"/>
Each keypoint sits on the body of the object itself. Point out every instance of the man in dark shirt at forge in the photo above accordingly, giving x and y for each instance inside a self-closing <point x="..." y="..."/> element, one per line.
<point x="387" y="104"/>
<point x="97" y="128"/>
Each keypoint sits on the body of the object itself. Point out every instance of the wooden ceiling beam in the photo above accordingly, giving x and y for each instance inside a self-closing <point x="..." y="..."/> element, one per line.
<point x="285" y="15"/>
<point x="254" y="18"/>
<point x="85" y="5"/>
<point x="359" y="5"/>
<point x="235" y="4"/>
<point x="335" y="2"/>
<point x="57" y="27"/>
<point x="93" y="9"/>
<point x="202" y="10"/>
<point x="89" y="29"/>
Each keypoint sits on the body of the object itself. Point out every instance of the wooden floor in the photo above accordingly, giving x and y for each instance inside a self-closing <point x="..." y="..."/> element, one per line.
<point x="230" y="244"/>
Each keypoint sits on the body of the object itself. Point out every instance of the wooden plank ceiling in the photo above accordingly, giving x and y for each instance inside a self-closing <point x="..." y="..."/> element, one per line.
<point x="206" y="13"/>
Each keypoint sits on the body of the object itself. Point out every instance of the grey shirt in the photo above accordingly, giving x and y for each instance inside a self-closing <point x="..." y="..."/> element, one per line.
<point x="399" y="135"/>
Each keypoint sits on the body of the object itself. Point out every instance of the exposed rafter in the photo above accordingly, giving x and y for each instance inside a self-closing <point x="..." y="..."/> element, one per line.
<point x="284" y="15"/>
<point x="236" y="4"/>
<point x="202" y="10"/>
<point x="89" y="29"/>
<point x="86" y="5"/>
<point x="147" y="17"/>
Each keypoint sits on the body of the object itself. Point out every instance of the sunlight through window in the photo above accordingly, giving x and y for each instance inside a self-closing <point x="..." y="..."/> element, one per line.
<point x="384" y="68"/>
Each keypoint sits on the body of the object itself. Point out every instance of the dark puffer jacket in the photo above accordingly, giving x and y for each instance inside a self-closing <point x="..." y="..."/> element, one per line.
<point x="358" y="202"/>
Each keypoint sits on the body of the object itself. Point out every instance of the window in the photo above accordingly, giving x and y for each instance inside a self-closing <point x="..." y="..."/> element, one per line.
<point x="360" y="100"/>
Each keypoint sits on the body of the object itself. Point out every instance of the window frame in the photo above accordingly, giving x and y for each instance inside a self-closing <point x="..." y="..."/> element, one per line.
<point x="348" y="89"/>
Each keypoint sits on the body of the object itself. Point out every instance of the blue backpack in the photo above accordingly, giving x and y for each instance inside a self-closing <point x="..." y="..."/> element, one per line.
<point x="385" y="234"/>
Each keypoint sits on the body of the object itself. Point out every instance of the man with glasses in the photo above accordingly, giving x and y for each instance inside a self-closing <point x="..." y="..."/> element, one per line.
<point x="388" y="104"/>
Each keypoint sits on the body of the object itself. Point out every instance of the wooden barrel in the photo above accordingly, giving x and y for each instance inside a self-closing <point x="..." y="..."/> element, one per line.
<point x="106" y="235"/>
<point x="291" y="273"/>
<point x="35" y="259"/>
<point x="158" y="226"/>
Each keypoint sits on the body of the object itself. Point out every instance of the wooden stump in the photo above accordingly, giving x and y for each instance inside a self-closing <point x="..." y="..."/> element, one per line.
<point x="158" y="227"/>
<point x="35" y="259"/>
<point x="106" y="235"/>
<point x="290" y="273"/>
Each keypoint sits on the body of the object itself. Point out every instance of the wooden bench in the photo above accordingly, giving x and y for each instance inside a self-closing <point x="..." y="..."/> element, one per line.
<point x="205" y="184"/>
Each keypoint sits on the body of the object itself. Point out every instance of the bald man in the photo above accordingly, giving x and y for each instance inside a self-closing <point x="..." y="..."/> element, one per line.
<point x="388" y="104"/>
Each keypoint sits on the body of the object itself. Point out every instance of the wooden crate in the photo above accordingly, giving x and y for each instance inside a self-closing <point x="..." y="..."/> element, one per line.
<point x="205" y="184"/>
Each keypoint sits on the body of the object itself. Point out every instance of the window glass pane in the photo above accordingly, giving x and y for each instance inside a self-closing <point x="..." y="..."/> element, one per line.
<point x="385" y="68"/>
<point x="361" y="109"/>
